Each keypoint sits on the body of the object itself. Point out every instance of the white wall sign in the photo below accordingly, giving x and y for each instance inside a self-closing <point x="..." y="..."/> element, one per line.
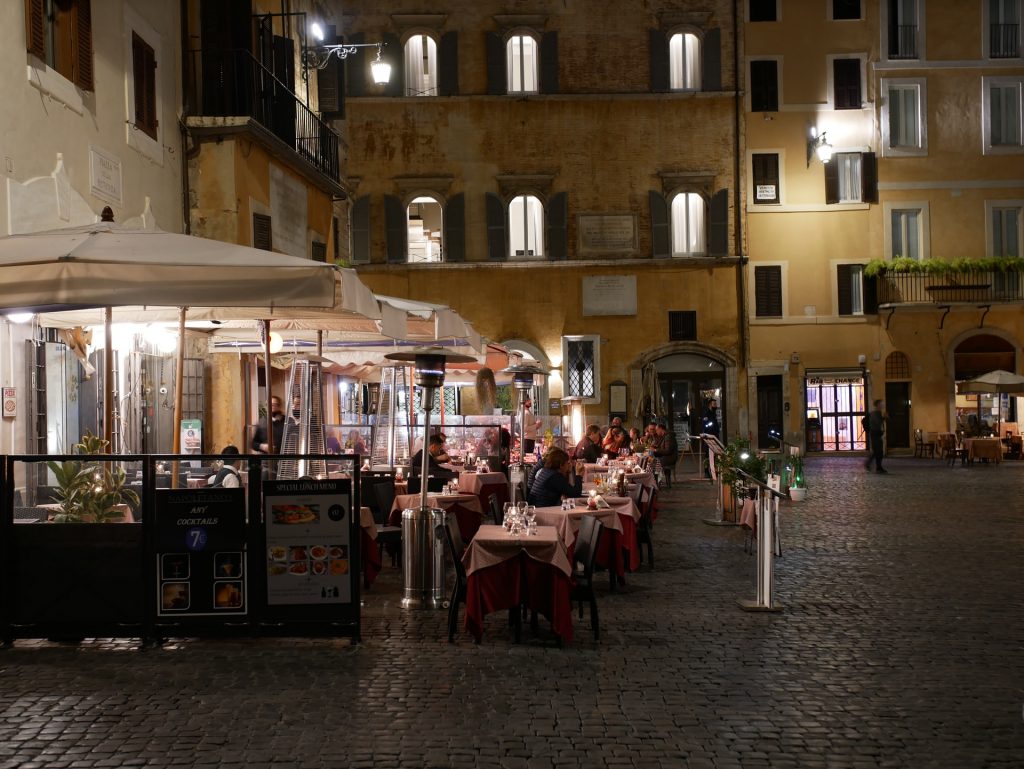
<point x="609" y="295"/>
<point x="10" y="401"/>
<point x="105" y="175"/>
<point x="766" y="192"/>
<point x="288" y="213"/>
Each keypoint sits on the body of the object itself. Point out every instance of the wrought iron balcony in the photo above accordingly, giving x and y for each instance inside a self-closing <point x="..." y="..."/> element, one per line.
<point x="974" y="287"/>
<point x="232" y="83"/>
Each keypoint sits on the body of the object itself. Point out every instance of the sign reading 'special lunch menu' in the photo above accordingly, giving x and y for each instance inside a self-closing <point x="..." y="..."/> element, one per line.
<point x="309" y="551"/>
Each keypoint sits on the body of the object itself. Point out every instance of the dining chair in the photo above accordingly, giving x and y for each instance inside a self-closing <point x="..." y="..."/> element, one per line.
<point x="496" y="511"/>
<point x="387" y="535"/>
<point x="584" y="553"/>
<point x="453" y="541"/>
<point x="923" y="448"/>
<point x="644" y="526"/>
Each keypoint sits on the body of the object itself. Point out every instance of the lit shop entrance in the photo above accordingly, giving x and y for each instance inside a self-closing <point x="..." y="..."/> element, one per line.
<point x="835" y="407"/>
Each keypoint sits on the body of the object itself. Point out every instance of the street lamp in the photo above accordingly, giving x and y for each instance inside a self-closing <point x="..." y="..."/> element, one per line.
<point x="422" y="552"/>
<point x="319" y="56"/>
<point x="525" y="376"/>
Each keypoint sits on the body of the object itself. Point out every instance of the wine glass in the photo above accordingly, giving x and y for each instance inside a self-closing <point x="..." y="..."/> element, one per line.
<point x="531" y="518"/>
<point x="507" y="514"/>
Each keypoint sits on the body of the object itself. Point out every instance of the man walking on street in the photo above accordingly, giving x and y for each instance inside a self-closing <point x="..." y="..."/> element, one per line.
<point x="875" y="428"/>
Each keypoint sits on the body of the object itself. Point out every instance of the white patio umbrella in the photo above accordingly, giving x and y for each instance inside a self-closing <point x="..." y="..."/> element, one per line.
<point x="104" y="265"/>
<point x="996" y="382"/>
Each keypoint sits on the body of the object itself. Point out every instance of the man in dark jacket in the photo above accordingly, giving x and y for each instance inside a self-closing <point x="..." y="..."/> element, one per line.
<point x="876" y="436"/>
<point x="666" y="450"/>
<point x="435" y="447"/>
<point x="589" y="447"/>
<point x="259" y="440"/>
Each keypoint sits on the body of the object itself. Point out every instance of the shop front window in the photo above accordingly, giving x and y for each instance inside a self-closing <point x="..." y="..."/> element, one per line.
<point x="835" y="407"/>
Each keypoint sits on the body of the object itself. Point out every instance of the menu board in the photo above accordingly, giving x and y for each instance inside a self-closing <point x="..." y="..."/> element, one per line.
<point x="200" y="552"/>
<point x="309" y="550"/>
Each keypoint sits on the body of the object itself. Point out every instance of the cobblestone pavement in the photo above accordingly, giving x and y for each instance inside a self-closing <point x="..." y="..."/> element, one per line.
<point x="901" y="645"/>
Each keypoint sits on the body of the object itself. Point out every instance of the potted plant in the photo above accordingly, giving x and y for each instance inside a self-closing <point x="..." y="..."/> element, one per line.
<point x="739" y="456"/>
<point x="797" y="484"/>
<point x="90" y="491"/>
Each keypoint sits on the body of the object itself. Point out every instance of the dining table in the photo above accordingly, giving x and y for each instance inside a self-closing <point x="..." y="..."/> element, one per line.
<point x="618" y="547"/>
<point x="509" y="571"/>
<point x="465" y="507"/>
<point x="483" y="485"/>
<point x="990" y="449"/>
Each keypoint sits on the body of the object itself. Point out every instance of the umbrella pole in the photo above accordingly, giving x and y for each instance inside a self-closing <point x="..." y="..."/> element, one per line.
<point x="267" y="369"/>
<point x="319" y="343"/>
<point x="108" y="379"/>
<point x="179" y="394"/>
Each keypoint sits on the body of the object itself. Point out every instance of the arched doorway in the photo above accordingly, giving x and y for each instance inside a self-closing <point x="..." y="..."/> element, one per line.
<point x="976" y="355"/>
<point x="688" y="383"/>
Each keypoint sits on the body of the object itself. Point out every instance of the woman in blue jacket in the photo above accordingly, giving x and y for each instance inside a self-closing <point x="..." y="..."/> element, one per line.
<point x="555" y="480"/>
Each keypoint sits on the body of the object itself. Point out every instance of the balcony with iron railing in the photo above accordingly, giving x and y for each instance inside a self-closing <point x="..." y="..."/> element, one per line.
<point x="1004" y="41"/>
<point x="982" y="286"/>
<point x="233" y="83"/>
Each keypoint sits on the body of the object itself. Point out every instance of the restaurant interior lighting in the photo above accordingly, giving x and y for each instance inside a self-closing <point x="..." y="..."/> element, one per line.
<point x="20" y="317"/>
<point x="276" y="342"/>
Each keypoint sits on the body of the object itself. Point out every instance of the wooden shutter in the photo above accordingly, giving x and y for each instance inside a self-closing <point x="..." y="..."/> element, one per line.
<point x="658" y="46"/>
<point x="361" y="230"/>
<point x="318" y="251"/>
<point x="355" y="80"/>
<point x="661" y="240"/>
<point x="711" y="53"/>
<point x="832" y="181"/>
<point x="718" y="224"/>
<point x="844" y="278"/>
<point x="396" y="226"/>
<point x="335" y="236"/>
<point x="869" y="177"/>
<point x="764" y="86"/>
<point x="846" y="83"/>
<point x="766" y="174"/>
<point x="870" y="295"/>
<point x="394" y="54"/>
<point x="144" y="73"/>
<point x="262" y="233"/>
<point x="549" y="62"/>
<point x="496" y="75"/>
<point x="455" y="229"/>
<point x="557" y="235"/>
<point x="448" y="64"/>
<point x="82" y="26"/>
<point x="35" y="28"/>
<point x="329" y="95"/>
<point x="768" y="291"/>
<point x="497" y="244"/>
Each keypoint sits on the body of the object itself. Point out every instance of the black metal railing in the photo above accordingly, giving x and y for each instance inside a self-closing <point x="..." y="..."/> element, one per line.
<point x="1004" y="41"/>
<point x="903" y="41"/>
<point x="231" y="83"/>
<point x="974" y="286"/>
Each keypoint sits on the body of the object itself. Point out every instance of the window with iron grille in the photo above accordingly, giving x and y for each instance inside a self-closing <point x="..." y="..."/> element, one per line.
<point x="897" y="366"/>
<point x="449" y="396"/>
<point x="580" y="361"/>
<point x="768" y="291"/>
<point x="682" y="325"/>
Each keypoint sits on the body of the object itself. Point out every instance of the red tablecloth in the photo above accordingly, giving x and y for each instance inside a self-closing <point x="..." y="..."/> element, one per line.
<point x="519" y="581"/>
<point x="371" y="552"/>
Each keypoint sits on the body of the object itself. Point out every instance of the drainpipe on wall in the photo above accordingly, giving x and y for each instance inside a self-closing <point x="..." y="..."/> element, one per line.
<point x="741" y="294"/>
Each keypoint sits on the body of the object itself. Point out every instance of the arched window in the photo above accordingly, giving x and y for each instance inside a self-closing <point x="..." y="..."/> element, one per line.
<point x="420" y="66"/>
<point x="897" y="366"/>
<point x="688" y="230"/>
<point x="684" y="62"/>
<point x="526" y="227"/>
<point x="521" y="64"/>
<point x="424" y="218"/>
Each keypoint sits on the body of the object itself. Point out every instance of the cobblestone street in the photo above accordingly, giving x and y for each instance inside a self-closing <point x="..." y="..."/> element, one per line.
<point x="901" y="644"/>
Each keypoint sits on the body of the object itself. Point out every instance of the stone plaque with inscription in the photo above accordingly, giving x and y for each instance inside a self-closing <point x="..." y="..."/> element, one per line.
<point x="105" y="175"/>
<point x="609" y="295"/>
<point x="288" y="212"/>
<point x="607" y="233"/>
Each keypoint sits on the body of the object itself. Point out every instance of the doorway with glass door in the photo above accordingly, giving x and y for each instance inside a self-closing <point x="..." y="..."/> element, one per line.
<point x="689" y="384"/>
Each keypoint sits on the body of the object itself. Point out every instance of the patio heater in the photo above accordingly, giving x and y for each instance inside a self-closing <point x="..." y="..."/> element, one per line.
<point x="525" y="376"/>
<point x="572" y="405"/>
<point x="422" y="552"/>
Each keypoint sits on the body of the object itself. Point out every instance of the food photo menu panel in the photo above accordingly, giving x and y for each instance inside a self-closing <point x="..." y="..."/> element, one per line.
<point x="200" y="558"/>
<point x="309" y="549"/>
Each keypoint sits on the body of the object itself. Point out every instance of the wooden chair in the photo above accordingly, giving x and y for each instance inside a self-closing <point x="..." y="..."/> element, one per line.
<point x="923" y="448"/>
<point x="387" y="536"/>
<point x="496" y="511"/>
<point x="583" y="577"/>
<point x="645" y="524"/>
<point x="453" y="540"/>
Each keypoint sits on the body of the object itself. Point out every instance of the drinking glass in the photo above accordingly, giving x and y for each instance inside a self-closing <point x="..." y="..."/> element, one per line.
<point x="531" y="518"/>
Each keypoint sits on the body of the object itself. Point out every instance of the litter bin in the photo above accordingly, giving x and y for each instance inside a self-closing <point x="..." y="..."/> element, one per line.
<point x="422" y="558"/>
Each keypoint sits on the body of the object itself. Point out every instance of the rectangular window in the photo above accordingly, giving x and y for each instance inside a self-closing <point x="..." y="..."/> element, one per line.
<point x="682" y="325"/>
<point x="850" y="279"/>
<point x="904" y="126"/>
<point x="60" y="34"/>
<point x="262" y="235"/>
<point x="902" y="29"/>
<point x="1002" y="113"/>
<point x="763" y="10"/>
<point x="768" y="291"/>
<point x="846" y="83"/>
<point x="1003" y="28"/>
<point x="848" y="166"/>
<point x="906" y="233"/>
<point x="144" y="78"/>
<point x="764" y="85"/>
<point x="1006" y="231"/>
<point x="766" y="177"/>
<point x="581" y="356"/>
<point x="845" y="9"/>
